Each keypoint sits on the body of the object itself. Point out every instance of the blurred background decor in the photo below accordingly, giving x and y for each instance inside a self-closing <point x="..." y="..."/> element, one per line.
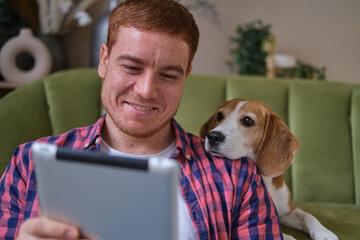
<point x="74" y="30"/>
<point x="58" y="18"/>
<point x="48" y="20"/>
<point x="22" y="49"/>
<point x="306" y="71"/>
<point x="254" y="54"/>
<point x="10" y="23"/>
<point x="204" y="8"/>
<point x="99" y="34"/>
<point x="251" y="47"/>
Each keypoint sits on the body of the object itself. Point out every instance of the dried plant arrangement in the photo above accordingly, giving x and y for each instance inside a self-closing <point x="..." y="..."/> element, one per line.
<point x="57" y="16"/>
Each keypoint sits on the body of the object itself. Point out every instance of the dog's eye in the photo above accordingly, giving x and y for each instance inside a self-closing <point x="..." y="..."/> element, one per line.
<point x="219" y="116"/>
<point x="247" y="122"/>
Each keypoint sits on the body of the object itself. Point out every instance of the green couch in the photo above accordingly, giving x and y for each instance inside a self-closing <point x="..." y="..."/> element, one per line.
<point x="325" y="116"/>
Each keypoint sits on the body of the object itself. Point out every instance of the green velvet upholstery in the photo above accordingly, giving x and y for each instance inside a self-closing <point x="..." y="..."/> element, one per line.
<point x="203" y="94"/>
<point x="325" y="116"/>
<point x="274" y="93"/>
<point x="320" y="117"/>
<point x="68" y="106"/>
<point x="355" y="126"/>
<point x="342" y="219"/>
<point x="23" y="117"/>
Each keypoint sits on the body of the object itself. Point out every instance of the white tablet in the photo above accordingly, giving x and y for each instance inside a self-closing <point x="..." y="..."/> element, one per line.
<point x="108" y="197"/>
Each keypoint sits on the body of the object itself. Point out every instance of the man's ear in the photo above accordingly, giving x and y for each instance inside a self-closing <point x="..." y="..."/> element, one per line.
<point x="188" y="71"/>
<point x="104" y="58"/>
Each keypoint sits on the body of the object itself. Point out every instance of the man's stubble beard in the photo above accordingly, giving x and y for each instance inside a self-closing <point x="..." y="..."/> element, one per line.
<point x="138" y="133"/>
<point x="146" y="133"/>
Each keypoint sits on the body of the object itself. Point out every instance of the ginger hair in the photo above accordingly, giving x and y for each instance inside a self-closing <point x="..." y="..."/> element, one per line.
<point x="167" y="16"/>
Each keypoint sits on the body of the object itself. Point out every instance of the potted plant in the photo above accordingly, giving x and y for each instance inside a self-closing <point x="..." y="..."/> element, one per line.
<point x="249" y="54"/>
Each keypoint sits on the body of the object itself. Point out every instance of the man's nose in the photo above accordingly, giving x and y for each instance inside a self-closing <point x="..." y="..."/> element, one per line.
<point x="146" y="85"/>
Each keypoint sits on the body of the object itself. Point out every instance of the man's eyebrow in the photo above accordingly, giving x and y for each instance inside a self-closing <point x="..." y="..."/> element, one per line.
<point x="129" y="58"/>
<point x="176" y="68"/>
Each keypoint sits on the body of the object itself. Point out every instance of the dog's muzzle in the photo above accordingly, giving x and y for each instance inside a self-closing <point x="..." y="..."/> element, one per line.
<point x="214" y="138"/>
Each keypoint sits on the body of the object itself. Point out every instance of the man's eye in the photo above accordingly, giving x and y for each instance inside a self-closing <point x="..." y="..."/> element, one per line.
<point x="131" y="69"/>
<point x="169" y="77"/>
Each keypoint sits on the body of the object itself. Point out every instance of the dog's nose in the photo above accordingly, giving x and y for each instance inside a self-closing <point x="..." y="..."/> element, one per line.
<point x="215" y="138"/>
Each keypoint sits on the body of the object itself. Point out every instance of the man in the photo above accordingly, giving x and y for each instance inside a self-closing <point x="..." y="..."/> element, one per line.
<point x="144" y="64"/>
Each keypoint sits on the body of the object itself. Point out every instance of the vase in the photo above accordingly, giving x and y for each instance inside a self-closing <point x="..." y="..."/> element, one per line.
<point x="99" y="35"/>
<point x="37" y="57"/>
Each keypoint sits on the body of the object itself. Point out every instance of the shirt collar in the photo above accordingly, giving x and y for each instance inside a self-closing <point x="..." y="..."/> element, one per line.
<point x="181" y="138"/>
<point x="94" y="135"/>
<point x="182" y="141"/>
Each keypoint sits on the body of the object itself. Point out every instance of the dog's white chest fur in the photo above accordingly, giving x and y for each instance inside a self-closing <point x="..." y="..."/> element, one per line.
<point x="280" y="196"/>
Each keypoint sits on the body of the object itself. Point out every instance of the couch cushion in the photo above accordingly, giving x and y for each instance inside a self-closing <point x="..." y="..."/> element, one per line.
<point x="341" y="219"/>
<point x="202" y="95"/>
<point x="23" y="117"/>
<point x="319" y="117"/>
<point x="73" y="103"/>
<point x="271" y="91"/>
<point x="355" y="126"/>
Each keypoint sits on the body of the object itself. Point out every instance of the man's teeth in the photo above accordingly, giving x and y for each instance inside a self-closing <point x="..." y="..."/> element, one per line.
<point x="141" y="108"/>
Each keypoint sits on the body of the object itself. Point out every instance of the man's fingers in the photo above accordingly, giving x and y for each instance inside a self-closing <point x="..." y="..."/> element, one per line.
<point x="48" y="228"/>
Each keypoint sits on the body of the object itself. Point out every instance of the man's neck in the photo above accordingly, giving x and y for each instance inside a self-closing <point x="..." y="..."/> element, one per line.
<point x="125" y="143"/>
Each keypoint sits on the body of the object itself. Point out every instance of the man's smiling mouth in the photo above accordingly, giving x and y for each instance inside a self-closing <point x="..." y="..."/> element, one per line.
<point x="141" y="108"/>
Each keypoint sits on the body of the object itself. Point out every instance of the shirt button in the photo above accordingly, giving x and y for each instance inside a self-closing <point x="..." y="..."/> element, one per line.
<point x="86" y="145"/>
<point x="188" y="157"/>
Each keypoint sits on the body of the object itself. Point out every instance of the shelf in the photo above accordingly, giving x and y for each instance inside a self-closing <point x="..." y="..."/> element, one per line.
<point x="7" y="85"/>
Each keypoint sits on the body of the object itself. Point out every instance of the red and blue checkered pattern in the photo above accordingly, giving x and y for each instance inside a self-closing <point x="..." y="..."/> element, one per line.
<point x="226" y="199"/>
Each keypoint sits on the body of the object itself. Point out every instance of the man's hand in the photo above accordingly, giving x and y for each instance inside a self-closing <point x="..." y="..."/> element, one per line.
<point x="43" y="228"/>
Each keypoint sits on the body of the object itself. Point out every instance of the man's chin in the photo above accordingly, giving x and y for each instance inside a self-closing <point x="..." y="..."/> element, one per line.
<point x="140" y="127"/>
<point x="143" y="129"/>
<point x="139" y="133"/>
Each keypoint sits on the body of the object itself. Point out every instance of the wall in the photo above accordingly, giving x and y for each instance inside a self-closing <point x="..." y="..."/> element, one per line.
<point x="321" y="32"/>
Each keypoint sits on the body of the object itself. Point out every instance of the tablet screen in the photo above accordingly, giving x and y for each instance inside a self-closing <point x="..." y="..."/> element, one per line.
<point x="105" y="196"/>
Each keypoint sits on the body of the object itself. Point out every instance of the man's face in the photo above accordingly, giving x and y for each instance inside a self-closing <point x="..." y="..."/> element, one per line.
<point x="144" y="79"/>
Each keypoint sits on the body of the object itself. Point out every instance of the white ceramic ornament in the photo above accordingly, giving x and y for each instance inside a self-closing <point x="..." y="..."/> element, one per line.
<point x="25" y="42"/>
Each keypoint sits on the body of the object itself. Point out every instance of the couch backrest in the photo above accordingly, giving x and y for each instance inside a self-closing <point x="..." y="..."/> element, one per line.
<point x="49" y="106"/>
<point x="324" y="116"/>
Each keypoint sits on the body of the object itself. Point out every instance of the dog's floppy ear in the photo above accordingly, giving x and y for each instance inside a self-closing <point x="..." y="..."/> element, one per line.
<point x="277" y="147"/>
<point x="206" y="127"/>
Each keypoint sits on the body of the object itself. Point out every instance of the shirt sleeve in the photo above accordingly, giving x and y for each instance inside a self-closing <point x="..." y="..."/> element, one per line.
<point x="256" y="216"/>
<point x="13" y="186"/>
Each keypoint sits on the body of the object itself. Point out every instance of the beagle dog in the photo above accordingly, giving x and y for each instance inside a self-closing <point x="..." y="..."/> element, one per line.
<point x="242" y="128"/>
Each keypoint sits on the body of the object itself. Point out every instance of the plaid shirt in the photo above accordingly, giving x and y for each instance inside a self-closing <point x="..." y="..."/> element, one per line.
<point x="226" y="199"/>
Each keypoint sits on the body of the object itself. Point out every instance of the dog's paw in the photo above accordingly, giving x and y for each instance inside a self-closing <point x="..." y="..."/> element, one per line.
<point x="323" y="234"/>
<point x="288" y="237"/>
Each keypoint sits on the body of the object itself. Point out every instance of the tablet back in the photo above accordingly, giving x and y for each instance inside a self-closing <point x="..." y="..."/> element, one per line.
<point x="108" y="197"/>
